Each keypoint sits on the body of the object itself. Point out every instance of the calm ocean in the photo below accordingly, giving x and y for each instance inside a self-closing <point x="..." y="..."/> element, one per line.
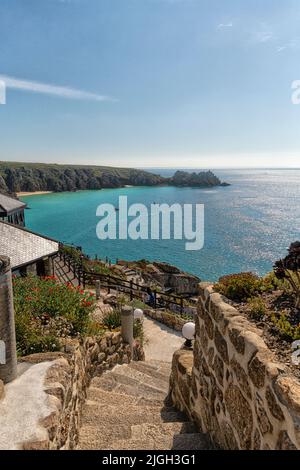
<point x="248" y="225"/>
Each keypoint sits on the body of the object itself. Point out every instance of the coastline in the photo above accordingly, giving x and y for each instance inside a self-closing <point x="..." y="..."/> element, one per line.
<point x="33" y="193"/>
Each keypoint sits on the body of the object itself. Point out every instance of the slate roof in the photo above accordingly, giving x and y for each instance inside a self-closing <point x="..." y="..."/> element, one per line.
<point x="9" y="204"/>
<point x="23" y="246"/>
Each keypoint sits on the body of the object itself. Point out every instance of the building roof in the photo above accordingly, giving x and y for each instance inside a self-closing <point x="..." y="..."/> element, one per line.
<point x="9" y="204"/>
<point x="23" y="246"/>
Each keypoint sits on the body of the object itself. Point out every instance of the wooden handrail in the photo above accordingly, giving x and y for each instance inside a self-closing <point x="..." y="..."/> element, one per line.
<point x="112" y="282"/>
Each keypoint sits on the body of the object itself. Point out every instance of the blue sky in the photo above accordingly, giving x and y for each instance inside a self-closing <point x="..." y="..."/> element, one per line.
<point x="181" y="83"/>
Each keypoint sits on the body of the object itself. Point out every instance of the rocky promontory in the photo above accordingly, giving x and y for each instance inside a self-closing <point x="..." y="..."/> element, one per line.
<point x="201" y="179"/>
<point x="30" y="177"/>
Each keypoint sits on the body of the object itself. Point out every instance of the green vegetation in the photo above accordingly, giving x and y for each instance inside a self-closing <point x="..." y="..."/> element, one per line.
<point x="47" y="311"/>
<point x="288" y="269"/>
<point x="285" y="328"/>
<point x="257" y="308"/>
<point x="15" y="177"/>
<point x="204" y="178"/>
<point x="239" y="287"/>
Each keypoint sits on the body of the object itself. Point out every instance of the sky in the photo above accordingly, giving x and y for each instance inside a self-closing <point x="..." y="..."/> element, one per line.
<point x="150" y="83"/>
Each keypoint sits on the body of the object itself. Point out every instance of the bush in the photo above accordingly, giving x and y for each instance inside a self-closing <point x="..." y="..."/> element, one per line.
<point x="46" y="310"/>
<point x="112" y="320"/>
<point x="239" y="287"/>
<point x="257" y="308"/>
<point x="286" y="329"/>
<point x="288" y="269"/>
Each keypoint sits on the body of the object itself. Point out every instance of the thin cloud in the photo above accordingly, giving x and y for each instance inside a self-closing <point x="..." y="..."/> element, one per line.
<point x="292" y="44"/>
<point x="224" y="25"/>
<point x="54" y="90"/>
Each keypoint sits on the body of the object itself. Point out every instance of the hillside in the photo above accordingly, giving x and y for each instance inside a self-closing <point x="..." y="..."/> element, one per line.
<point x="16" y="177"/>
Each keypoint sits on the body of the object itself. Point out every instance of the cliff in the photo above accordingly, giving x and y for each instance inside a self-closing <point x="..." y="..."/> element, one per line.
<point x="16" y="177"/>
<point x="201" y="179"/>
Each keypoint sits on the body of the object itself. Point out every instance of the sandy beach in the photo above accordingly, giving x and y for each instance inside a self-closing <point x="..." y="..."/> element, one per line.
<point x="33" y="193"/>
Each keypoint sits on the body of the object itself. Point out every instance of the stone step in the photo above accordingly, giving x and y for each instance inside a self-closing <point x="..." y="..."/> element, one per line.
<point x="158" y="382"/>
<point x="148" y="430"/>
<point x="177" y="442"/>
<point x="112" y="381"/>
<point x="133" y="414"/>
<point x="98" y="394"/>
<point x="151" y="370"/>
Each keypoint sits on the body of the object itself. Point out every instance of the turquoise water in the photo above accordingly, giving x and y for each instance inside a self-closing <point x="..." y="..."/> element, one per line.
<point x="248" y="225"/>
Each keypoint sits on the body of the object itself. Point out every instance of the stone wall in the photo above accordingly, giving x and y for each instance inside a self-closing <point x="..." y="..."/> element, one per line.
<point x="170" y="319"/>
<point x="66" y="382"/>
<point x="231" y="384"/>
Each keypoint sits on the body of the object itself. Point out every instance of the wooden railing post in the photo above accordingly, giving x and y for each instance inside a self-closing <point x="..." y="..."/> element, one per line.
<point x="8" y="360"/>
<point x="131" y="290"/>
<point x="98" y="286"/>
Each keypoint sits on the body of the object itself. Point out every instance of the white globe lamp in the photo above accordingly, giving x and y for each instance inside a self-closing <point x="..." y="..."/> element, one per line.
<point x="188" y="332"/>
<point x="138" y="314"/>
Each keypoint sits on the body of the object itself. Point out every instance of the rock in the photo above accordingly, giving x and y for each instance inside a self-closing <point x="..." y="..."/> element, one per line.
<point x="284" y="442"/>
<point x="273" y="405"/>
<point x="257" y="370"/>
<point x="111" y="299"/>
<point x="218" y="367"/>
<point x="241" y="377"/>
<point x="264" y="423"/>
<point x="240" y="414"/>
<point x="237" y="339"/>
<point x="221" y="346"/>
<point x="101" y="357"/>
<point x="287" y="390"/>
<point x="170" y="277"/>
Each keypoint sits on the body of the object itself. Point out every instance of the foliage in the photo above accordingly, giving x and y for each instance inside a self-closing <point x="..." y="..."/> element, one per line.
<point x="46" y="310"/>
<point x="239" y="287"/>
<point x="112" y="320"/>
<point x="257" y="308"/>
<point x="286" y="329"/>
<point x="289" y="269"/>
<point x="138" y="331"/>
<point x="15" y="177"/>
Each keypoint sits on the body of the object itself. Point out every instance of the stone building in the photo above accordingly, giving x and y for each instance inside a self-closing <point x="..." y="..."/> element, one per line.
<point x="12" y="210"/>
<point x="29" y="252"/>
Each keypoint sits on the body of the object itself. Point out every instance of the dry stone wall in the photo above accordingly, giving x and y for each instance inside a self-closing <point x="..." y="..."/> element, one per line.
<point x="170" y="319"/>
<point x="67" y="380"/>
<point x="231" y="384"/>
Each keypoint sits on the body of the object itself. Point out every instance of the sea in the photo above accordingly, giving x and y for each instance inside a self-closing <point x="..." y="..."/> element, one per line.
<point x="247" y="225"/>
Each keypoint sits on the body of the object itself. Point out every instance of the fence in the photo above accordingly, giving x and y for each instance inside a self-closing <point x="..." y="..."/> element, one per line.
<point x="110" y="282"/>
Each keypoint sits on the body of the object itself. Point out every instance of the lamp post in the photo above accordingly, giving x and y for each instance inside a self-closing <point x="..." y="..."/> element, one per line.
<point x="138" y="314"/>
<point x="188" y="332"/>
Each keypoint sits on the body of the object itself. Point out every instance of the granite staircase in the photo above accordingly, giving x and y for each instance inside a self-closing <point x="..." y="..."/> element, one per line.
<point x="127" y="409"/>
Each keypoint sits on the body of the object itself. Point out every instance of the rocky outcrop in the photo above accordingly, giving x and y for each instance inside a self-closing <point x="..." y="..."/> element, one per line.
<point x="15" y="177"/>
<point x="170" y="277"/>
<point x="201" y="179"/>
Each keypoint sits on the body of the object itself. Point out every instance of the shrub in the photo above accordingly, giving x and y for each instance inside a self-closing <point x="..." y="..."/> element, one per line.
<point x="257" y="308"/>
<point x="239" y="287"/>
<point x="112" y="320"/>
<point x="286" y="329"/>
<point x="288" y="269"/>
<point x="46" y="310"/>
